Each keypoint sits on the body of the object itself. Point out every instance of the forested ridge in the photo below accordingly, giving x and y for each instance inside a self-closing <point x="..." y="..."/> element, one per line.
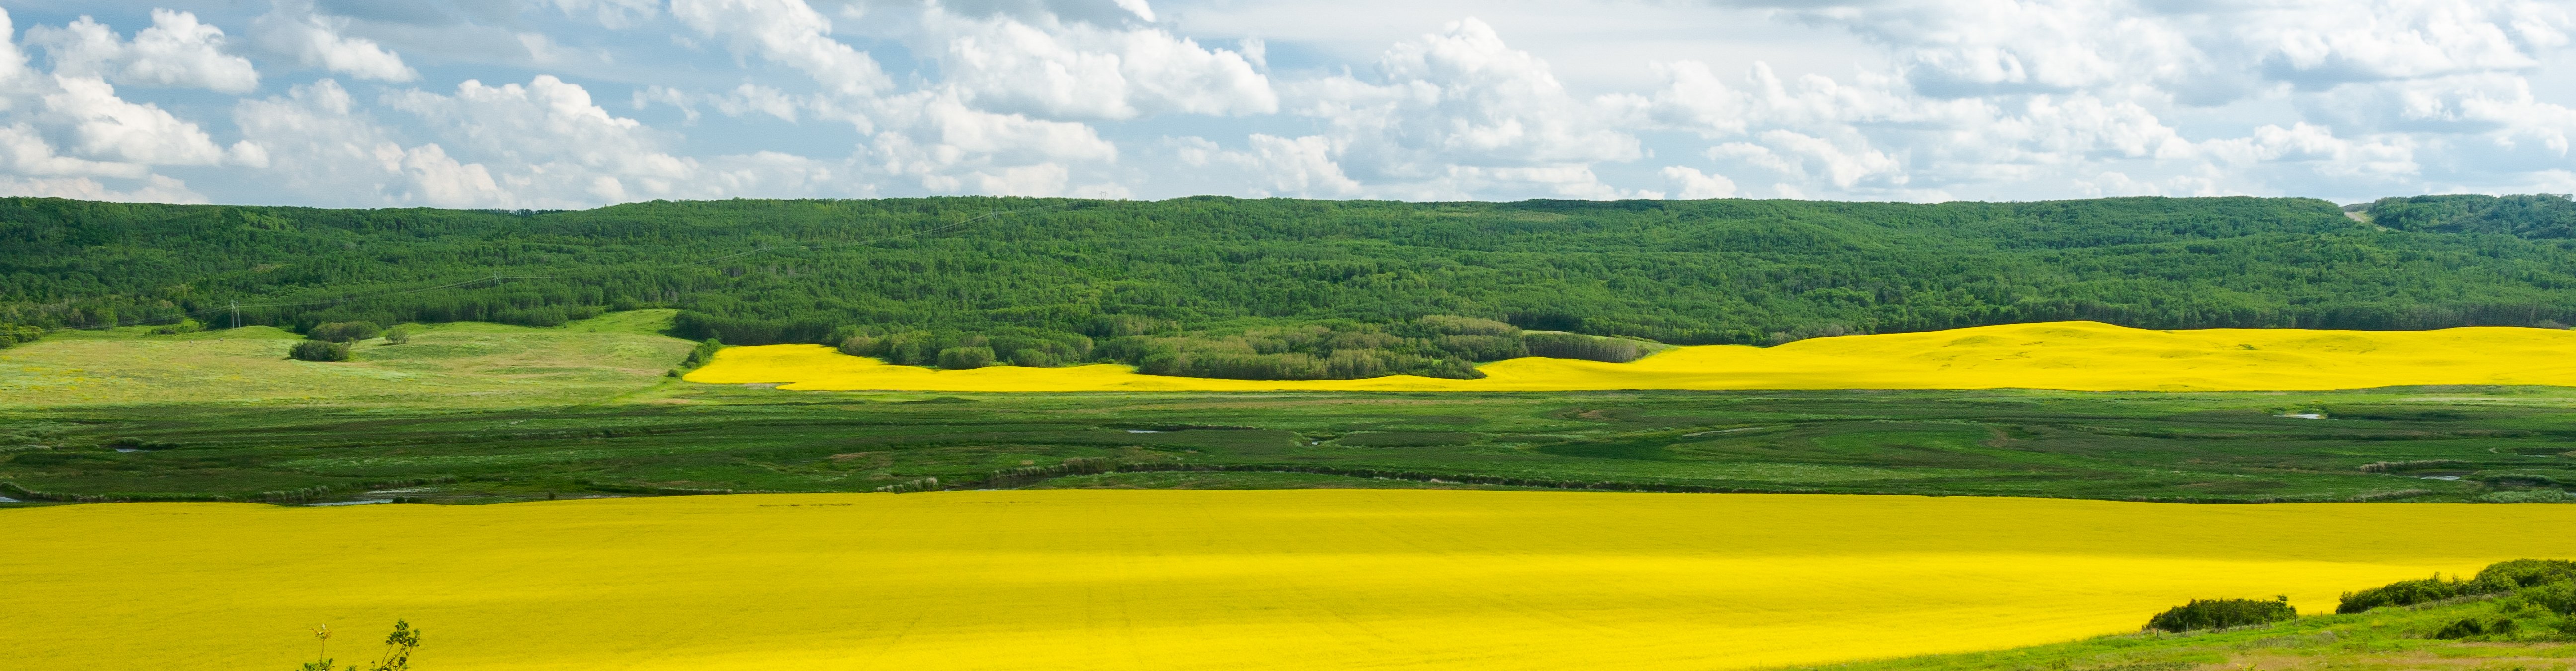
<point x="1251" y="275"/>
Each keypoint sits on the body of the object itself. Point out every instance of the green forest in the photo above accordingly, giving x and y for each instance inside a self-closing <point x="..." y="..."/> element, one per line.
<point x="1297" y="288"/>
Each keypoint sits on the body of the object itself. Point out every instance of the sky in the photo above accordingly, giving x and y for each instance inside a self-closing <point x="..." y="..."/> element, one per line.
<point x="558" y="104"/>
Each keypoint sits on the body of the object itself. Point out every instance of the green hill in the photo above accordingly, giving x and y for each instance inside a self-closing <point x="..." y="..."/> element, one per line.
<point x="1289" y="278"/>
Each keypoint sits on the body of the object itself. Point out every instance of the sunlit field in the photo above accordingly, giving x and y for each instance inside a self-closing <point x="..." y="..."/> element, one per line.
<point x="2081" y="356"/>
<point x="1184" y="579"/>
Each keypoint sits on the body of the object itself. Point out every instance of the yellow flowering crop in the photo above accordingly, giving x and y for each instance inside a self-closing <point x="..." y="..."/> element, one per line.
<point x="1124" y="579"/>
<point x="2089" y="356"/>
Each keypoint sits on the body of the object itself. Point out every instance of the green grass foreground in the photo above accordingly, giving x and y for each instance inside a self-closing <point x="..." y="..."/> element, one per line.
<point x="2382" y="640"/>
<point x="468" y="413"/>
<point x="2459" y="633"/>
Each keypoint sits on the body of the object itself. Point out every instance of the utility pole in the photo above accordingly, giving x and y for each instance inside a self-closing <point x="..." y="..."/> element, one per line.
<point x="236" y="308"/>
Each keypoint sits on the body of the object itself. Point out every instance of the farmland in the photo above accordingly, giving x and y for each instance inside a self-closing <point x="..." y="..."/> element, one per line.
<point x="1187" y="579"/>
<point x="2089" y="356"/>
<point x="1286" y="520"/>
<point x="471" y="413"/>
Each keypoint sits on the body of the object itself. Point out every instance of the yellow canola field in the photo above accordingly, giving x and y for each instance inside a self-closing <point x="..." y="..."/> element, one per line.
<point x="2082" y="356"/>
<point x="1234" y="580"/>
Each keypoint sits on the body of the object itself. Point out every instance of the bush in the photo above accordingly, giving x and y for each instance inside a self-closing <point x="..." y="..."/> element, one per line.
<point x="2405" y="593"/>
<point x="703" y="353"/>
<point x="316" y="350"/>
<point x="344" y="331"/>
<point x="397" y="335"/>
<point x="959" y="358"/>
<point x="2496" y="578"/>
<point x="2557" y="598"/>
<point x="2223" y="613"/>
<point x="859" y="345"/>
<point x="1589" y="348"/>
<point x="2520" y="573"/>
<point x="12" y="335"/>
<point x="2468" y="628"/>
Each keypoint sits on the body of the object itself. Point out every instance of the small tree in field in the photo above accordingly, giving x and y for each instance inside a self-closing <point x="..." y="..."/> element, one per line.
<point x="316" y="350"/>
<point x="398" y="648"/>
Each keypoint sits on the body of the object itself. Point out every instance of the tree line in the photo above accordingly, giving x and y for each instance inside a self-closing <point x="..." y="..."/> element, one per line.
<point x="1213" y="283"/>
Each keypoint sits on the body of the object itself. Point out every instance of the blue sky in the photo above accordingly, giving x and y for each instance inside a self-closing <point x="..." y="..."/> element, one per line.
<point x="579" y="103"/>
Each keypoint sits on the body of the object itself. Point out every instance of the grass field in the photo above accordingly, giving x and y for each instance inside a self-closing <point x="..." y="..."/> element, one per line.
<point x="463" y="364"/>
<point x="1181" y="579"/>
<point x="2387" y="639"/>
<point x="2082" y="356"/>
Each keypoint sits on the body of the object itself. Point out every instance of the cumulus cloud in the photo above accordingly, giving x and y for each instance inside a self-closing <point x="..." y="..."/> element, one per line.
<point x="1934" y="99"/>
<point x="293" y="28"/>
<point x="556" y="146"/>
<point x="1460" y="112"/>
<point x="788" y="32"/>
<point x="177" y="51"/>
<point x="1072" y="69"/>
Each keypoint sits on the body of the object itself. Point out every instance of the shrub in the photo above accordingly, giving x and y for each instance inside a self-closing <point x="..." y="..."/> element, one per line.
<point x="2499" y="577"/>
<point x="1588" y="348"/>
<point x="2557" y="598"/>
<point x="2404" y="593"/>
<point x="13" y="335"/>
<point x="316" y="350"/>
<point x="965" y="357"/>
<point x="2223" y="613"/>
<point x="2520" y="573"/>
<point x="2469" y="627"/>
<point x="397" y="335"/>
<point x="344" y="331"/>
<point x="703" y="353"/>
<point x="859" y="345"/>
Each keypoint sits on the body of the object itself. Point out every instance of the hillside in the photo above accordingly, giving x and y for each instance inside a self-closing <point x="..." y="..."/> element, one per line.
<point x="1244" y="288"/>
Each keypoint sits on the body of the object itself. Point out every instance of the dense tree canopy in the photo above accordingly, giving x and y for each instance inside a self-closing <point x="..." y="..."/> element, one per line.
<point x="1684" y="272"/>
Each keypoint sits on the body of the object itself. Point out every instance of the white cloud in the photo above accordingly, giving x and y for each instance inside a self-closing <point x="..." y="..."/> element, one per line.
<point x="944" y="145"/>
<point x="294" y="29"/>
<point x="790" y="33"/>
<point x="1072" y="69"/>
<point x="1460" y="112"/>
<point x="155" y="189"/>
<point x="26" y="153"/>
<point x="1909" y="100"/>
<point x="177" y="51"/>
<point x="546" y="143"/>
<point x="106" y="126"/>
<point x="1696" y="185"/>
<point x="1299" y="167"/>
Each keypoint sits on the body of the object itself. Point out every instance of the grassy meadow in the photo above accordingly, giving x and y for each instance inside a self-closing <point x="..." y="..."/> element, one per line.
<point x="1100" y="579"/>
<point x="452" y="365"/>
<point x="469" y="413"/>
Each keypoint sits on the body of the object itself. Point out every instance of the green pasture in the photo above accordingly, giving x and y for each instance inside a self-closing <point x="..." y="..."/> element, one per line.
<point x="470" y="412"/>
<point x="2388" y="639"/>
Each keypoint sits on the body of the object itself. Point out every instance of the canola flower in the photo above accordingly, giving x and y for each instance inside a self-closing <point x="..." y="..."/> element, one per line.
<point x="2079" y="356"/>
<point x="1128" y="579"/>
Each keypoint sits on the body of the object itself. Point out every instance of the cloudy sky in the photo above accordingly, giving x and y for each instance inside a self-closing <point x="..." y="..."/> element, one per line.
<point x="578" y="103"/>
